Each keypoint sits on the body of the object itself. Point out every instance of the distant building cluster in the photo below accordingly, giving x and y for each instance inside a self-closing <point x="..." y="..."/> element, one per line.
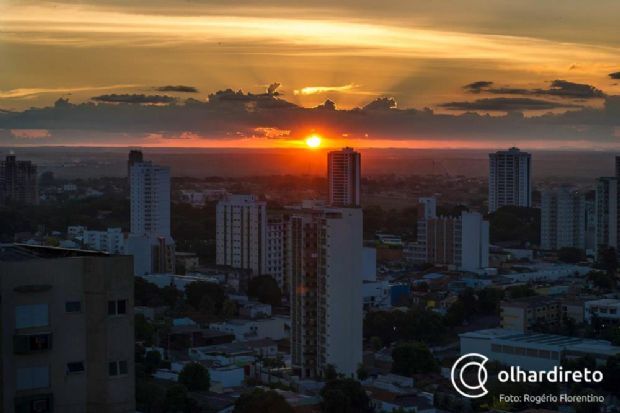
<point x="461" y="242"/>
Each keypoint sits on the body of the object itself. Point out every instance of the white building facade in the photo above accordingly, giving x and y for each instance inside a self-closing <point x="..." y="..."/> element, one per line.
<point x="111" y="240"/>
<point x="241" y="233"/>
<point x="150" y="241"/>
<point x="325" y="253"/>
<point x="563" y="219"/>
<point x="459" y="241"/>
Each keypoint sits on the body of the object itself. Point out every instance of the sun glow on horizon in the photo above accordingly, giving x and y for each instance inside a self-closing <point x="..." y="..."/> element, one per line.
<point x="313" y="141"/>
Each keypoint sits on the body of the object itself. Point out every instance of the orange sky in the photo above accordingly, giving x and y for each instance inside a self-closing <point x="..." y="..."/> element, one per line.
<point x="419" y="53"/>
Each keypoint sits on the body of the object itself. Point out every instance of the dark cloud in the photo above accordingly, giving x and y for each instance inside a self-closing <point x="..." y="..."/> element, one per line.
<point x="565" y="88"/>
<point x="177" y="88"/>
<point x="133" y="98"/>
<point x="327" y="105"/>
<point x="272" y="89"/>
<point x="476" y="87"/>
<point x="232" y="114"/>
<point x="558" y="88"/>
<point x="506" y="104"/>
<point x="614" y="75"/>
<point x="381" y="104"/>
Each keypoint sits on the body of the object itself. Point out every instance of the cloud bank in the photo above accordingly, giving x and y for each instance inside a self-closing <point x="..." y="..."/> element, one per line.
<point x="228" y="114"/>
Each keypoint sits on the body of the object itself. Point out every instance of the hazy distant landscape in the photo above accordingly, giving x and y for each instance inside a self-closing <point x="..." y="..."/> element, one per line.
<point x="91" y="162"/>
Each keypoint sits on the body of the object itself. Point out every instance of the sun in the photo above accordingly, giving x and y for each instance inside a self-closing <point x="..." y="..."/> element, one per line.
<point x="313" y="141"/>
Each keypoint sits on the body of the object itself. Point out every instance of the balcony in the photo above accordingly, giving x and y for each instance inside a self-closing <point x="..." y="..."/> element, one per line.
<point x="38" y="403"/>
<point x="32" y="343"/>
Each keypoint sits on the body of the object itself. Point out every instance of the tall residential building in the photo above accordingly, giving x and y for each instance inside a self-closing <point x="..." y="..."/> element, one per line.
<point x="563" y="219"/>
<point x="343" y="175"/>
<point x="459" y="241"/>
<point x="325" y="267"/>
<point x="606" y="211"/>
<point x="135" y="156"/>
<point x="277" y="235"/>
<point x="241" y="233"/>
<point x="18" y="182"/>
<point x="510" y="179"/>
<point x="67" y="331"/>
<point x="150" y="241"/>
<point x="428" y="207"/>
<point x="150" y="199"/>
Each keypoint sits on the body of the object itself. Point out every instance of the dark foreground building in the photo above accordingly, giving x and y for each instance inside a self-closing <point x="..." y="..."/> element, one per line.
<point x="67" y="324"/>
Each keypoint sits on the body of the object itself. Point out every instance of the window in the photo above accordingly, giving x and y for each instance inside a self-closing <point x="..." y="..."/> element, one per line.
<point x="121" y="307"/>
<point x="29" y="343"/>
<point x="117" y="368"/>
<point x="122" y="367"/>
<point x="29" y="378"/>
<point x="75" y="367"/>
<point x="34" y="315"/>
<point x="73" y="306"/>
<point x="113" y="368"/>
<point x="39" y="403"/>
<point x="117" y="307"/>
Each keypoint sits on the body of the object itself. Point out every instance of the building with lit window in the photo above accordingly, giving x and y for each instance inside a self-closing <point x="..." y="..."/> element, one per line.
<point x="343" y="175"/>
<point x="67" y="331"/>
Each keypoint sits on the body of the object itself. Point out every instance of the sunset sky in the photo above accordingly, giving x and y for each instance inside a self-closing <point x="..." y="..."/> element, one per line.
<point x="404" y="73"/>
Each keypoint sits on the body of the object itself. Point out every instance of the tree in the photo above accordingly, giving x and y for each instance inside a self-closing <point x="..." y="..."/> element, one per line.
<point x="415" y="324"/>
<point x="345" y="396"/>
<point x="512" y="223"/>
<point x="262" y="401"/>
<point x="612" y="375"/>
<point x="176" y="399"/>
<point x="330" y="372"/>
<point x="144" y="330"/>
<point x="520" y="291"/>
<point x="571" y="255"/>
<point x="489" y="300"/>
<point x="362" y="373"/>
<point x="195" y="377"/>
<point x="376" y="343"/>
<point x="265" y="289"/>
<point x="200" y="292"/>
<point x="152" y="359"/>
<point x="229" y="309"/>
<point x="602" y="280"/>
<point x="608" y="260"/>
<point x="411" y="358"/>
<point x="455" y="316"/>
<point x="149" y="396"/>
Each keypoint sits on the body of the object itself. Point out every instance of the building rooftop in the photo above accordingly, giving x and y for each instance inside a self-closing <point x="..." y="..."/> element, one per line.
<point x="533" y="301"/>
<point x="604" y="301"/>
<point x="552" y="340"/>
<point x="23" y="252"/>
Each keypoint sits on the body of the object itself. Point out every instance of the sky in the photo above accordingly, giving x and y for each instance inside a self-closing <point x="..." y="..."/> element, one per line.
<point x="401" y="73"/>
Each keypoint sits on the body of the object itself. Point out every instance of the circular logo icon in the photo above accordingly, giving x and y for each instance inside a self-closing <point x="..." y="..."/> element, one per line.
<point x="462" y="371"/>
